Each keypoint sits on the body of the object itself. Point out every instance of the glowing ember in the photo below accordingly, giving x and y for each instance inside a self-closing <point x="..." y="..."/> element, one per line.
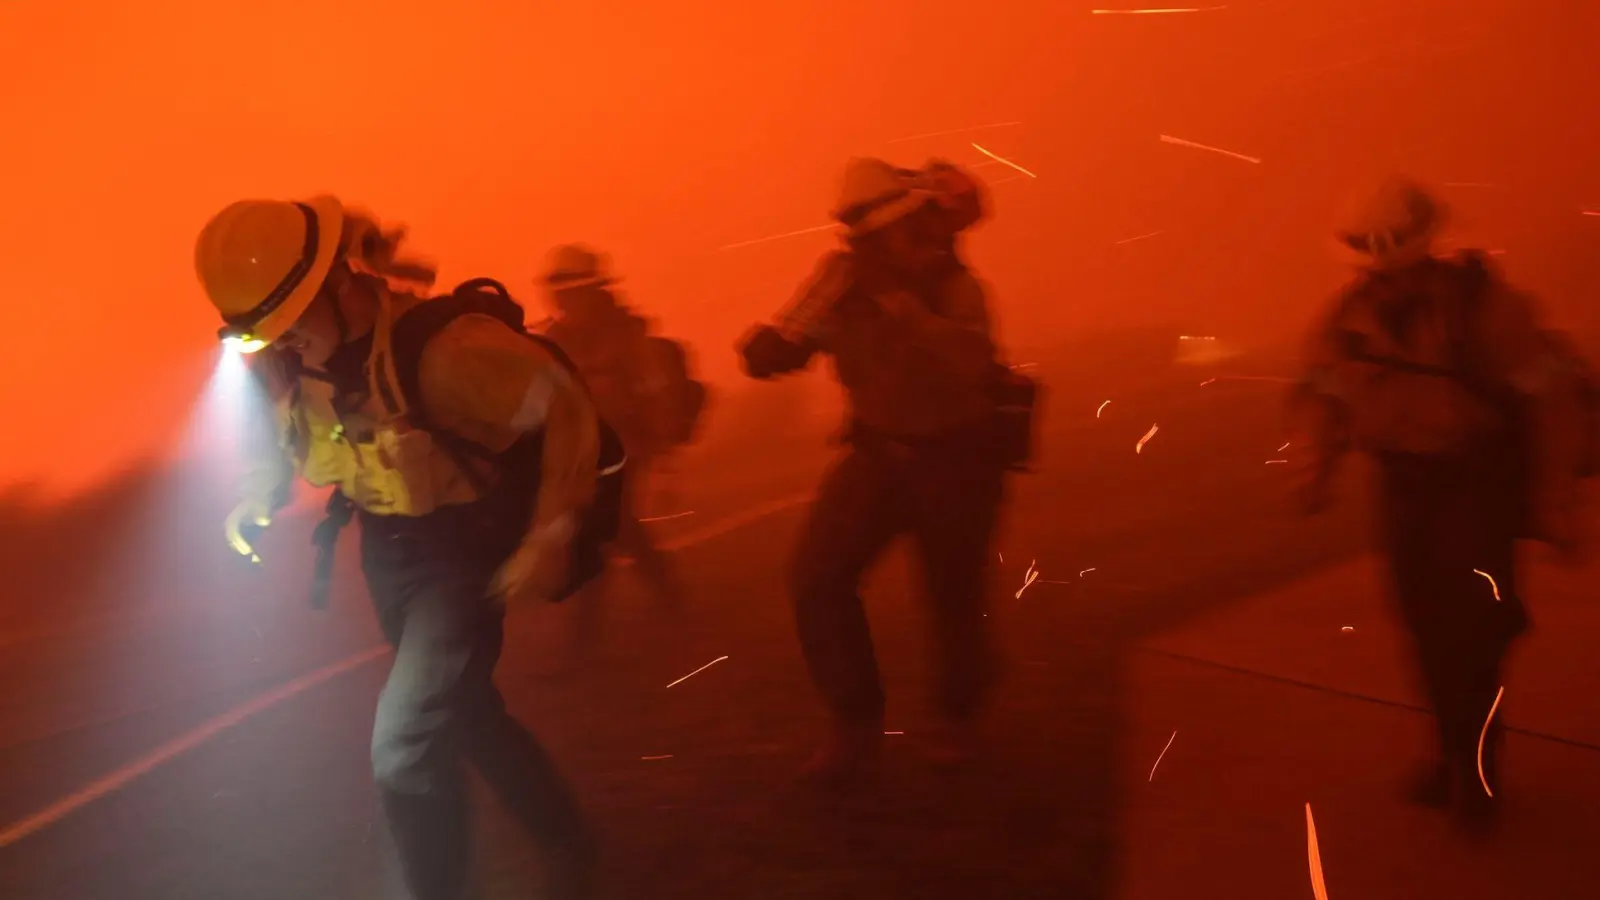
<point x="1140" y="237"/>
<point x="934" y="134"/>
<point x="1101" y="409"/>
<point x="697" y="671"/>
<point x="1139" y="447"/>
<point x="1347" y="629"/>
<point x="1482" y="735"/>
<point x="1168" y="139"/>
<point x="1274" y="379"/>
<point x="1153" y="12"/>
<point x="1491" y="581"/>
<point x="779" y="237"/>
<point x="1319" y="887"/>
<point x="1163" y="755"/>
<point x="1002" y="160"/>
<point x="1028" y="579"/>
<point x="667" y="518"/>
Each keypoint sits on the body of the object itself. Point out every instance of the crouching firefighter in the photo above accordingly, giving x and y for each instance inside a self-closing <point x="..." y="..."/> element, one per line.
<point x="472" y="457"/>
<point x="1478" y="425"/>
<point x="935" y="422"/>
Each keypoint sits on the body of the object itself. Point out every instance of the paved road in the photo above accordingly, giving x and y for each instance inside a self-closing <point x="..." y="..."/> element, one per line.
<point x="280" y="805"/>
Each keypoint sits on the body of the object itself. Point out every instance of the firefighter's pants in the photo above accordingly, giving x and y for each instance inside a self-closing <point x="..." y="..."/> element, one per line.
<point x="948" y="502"/>
<point x="440" y="709"/>
<point x="1451" y="552"/>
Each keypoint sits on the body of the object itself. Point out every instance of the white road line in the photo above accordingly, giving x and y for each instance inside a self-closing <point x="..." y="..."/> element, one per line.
<point x="735" y="522"/>
<point x="179" y="745"/>
<point x="122" y="776"/>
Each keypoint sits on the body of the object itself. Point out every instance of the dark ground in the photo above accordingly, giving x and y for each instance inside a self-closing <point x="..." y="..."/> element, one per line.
<point x="103" y="662"/>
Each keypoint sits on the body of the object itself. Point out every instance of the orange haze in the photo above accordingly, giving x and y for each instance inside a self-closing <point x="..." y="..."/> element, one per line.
<point x="664" y="131"/>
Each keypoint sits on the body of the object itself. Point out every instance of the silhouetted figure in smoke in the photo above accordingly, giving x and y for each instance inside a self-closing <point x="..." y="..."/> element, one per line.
<point x="908" y="329"/>
<point x="1439" y="370"/>
<point x="476" y="463"/>
<point x="641" y="386"/>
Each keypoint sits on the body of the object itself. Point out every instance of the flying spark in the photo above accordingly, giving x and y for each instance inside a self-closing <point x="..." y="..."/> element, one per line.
<point x="1139" y="447"/>
<point x="1347" y="628"/>
<point x="1001" y="159"/>
<point x="1492" y="583"/>
<point x="1285" y="446"/>
<point x="1101" y="409"/>
<point x="1162" y="756"/>
<point x="1168" y="139"/>
<point x="668" y="756"/>
<point x="934" y="134"/>
<point x="1153" y="12"/>
<point x="697" y="671"/>
<point x="1274" y="379"/>
<point x="778" y="237"/>
<point x="1028" y="579"/>
<point x="1140" y="237"/>
<point x="1319" y="886"/>
<point x="1008" y="179"/>
<point x="1085" y="572"/>
<point x="1484" y="734"/>
<point x="1277" y="462"/>
<point x="1592" y="212"/>
<point x="667" y="518"/>
<point x="894" y="732"/>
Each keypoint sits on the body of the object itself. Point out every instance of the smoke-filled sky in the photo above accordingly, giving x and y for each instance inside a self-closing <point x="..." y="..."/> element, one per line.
<point x="664" y="132"/>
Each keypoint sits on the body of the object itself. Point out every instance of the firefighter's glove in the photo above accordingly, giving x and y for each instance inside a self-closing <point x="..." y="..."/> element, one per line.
<point x="245" y="524"/>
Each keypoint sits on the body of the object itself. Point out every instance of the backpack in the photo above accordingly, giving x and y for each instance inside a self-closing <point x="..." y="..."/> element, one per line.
<point x="1509" y="449"/>
<point x="679" y="401"/>
<point x="1478" y="279"/>
<point x="483" y="296"/>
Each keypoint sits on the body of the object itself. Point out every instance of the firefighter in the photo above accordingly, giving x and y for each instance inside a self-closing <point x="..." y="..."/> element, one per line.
<point x="1437" y="368"/>
<point x="907" y="326"/>
<point x="447" y="537"/>
<point x="613" y="348"/>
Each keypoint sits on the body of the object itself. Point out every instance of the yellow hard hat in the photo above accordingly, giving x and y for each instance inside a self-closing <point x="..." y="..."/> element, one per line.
<point x="262" y="262"/>
<point x="574" y="266"/>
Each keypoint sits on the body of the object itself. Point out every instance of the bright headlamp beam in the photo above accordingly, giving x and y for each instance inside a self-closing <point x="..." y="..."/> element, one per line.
<point x="243" y="343"/>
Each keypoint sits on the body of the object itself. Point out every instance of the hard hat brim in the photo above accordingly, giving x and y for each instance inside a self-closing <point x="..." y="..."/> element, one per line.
<point x="889" y="213"/>
<point x="1413" y="249"/>
<point x="567" y="284"/>
<point x="330" y="229"/>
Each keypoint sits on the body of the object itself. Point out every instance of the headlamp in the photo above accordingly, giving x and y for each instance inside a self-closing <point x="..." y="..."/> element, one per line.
<point x="240" y="341"/>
